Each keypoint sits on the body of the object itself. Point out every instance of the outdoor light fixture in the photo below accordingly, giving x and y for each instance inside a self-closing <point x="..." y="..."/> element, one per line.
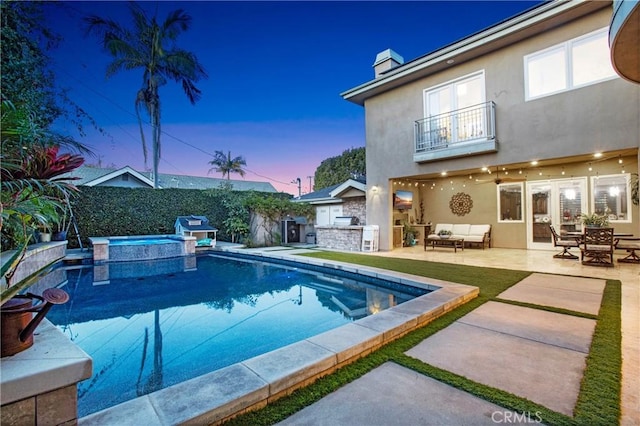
<point x="597" y="155"/>
<point x="374" y="189"/>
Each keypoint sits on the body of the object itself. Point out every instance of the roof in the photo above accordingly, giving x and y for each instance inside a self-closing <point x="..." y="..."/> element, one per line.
<point x="204" y="225"/>
<point x="526" y="24"/>
<point x="94" y="176"/>
<point x="333" y="193"/>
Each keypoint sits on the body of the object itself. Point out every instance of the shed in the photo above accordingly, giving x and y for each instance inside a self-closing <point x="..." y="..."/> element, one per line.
<point x="198" y="227"/>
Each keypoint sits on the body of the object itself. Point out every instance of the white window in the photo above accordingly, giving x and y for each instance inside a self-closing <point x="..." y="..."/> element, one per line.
<point x="611" y="197"/>
<point x="456" y="95"/>
<point x="510" y="200"/>
<point x="575" y="63"/>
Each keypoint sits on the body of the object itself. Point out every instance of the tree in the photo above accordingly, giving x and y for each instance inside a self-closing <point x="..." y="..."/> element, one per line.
<point x="150" y="47"/>
<point x="351" y="164"/>
<point x="28" y="82"/>
<point x="226" y="165"/>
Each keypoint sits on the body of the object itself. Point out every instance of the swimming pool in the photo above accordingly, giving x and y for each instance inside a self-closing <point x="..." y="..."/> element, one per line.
<point x="146" y="332"/>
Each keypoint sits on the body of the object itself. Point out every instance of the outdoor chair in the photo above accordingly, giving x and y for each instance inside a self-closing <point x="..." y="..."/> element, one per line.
<point x="565" y="243"/>
<point x="597" y="247"/>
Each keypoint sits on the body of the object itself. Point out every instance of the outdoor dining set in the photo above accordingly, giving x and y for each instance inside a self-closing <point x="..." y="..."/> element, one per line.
<point x="597" y="245"/>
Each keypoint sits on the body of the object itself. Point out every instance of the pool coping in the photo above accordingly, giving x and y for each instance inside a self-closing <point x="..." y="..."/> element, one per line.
<point x="251" y="384"/>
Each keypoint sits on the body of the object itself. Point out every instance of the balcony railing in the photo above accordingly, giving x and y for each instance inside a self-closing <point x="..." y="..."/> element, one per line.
<point x="463" y="127"/>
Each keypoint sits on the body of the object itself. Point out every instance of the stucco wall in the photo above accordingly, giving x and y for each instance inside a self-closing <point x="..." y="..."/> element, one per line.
<point x="603" y="116"/>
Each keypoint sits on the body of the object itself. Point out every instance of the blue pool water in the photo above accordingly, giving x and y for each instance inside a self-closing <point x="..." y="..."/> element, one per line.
<point x="141" y="241"/>
<point x="149" y="325"/>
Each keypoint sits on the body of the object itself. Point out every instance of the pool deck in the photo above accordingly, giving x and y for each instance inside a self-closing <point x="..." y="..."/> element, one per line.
<point x="253" y="383"/>
<point x="532" y="353"/>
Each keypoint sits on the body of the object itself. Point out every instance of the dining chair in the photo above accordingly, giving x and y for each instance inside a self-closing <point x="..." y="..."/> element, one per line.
<point x="565" y="243"/>
<point x="597" y="247"/>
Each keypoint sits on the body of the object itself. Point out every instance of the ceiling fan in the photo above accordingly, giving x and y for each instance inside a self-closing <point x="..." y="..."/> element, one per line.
<point x="498" y="179"/>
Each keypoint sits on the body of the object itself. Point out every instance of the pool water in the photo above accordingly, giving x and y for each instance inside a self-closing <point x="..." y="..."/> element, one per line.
<point x="148" y="331"/>
<point x="141" y="241"/>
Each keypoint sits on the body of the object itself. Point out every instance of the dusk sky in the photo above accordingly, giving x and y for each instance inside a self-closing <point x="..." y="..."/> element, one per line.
<point x="276" y="71"/>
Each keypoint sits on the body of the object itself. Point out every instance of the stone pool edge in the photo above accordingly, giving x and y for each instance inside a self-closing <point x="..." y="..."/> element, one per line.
<point x="217" y="396"/>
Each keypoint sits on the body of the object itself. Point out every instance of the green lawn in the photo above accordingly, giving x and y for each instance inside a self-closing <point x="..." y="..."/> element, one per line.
<point x="599" y="399"/>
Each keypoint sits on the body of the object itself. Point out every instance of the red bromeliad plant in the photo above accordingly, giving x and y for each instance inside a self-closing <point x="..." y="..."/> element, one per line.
<point x="33" y="190"/>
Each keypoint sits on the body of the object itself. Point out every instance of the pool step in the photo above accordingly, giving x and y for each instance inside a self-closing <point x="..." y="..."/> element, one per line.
<point x="75" y="256"/>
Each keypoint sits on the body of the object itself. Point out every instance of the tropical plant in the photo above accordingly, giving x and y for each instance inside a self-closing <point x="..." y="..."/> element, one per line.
<point x="409" y="233"/>
<point x="594" y="219"/>
<point x="635" y="190"/>
<point x="226" y="165"/>
<point x="150" y="47"/>
<point x="28" y="79"/>
<point x="33" y="188"/>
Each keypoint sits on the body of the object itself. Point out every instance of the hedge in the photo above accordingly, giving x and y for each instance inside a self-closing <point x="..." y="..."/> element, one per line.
<point x="113" y="211"/>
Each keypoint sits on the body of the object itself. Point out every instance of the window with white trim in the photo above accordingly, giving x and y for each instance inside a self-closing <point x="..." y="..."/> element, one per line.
<point x="611" y="197"/>
<point x="575" y="63"/>
<point x="456" y="95"/>
<point x="510" y="201"/>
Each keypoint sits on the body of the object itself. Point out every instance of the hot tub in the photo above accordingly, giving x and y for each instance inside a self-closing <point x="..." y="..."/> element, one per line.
<point x="141" y="247"/>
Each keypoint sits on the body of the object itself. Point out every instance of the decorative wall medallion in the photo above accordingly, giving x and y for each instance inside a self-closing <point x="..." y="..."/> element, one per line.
<point x="461" y="204"/>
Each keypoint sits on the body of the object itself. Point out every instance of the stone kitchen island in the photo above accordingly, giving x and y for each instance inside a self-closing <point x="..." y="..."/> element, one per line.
<point x="340" y="237"/>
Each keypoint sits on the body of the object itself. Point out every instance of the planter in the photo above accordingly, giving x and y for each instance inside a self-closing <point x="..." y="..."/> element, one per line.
<point x="44" y="237"/>
<point x="60" y="236"/>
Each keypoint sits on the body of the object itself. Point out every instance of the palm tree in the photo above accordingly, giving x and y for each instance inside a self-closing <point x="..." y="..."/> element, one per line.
<point x="226" y="165"/>
<point x="149" y="46"/>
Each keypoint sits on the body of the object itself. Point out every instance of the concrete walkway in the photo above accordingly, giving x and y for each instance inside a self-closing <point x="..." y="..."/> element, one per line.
<point x="535" y="354"/>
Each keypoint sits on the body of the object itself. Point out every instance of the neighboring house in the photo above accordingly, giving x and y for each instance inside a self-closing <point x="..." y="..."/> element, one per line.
<point x="521" y="125"/>
<point x="345" y="199"/>
<point x="130" y="178"/>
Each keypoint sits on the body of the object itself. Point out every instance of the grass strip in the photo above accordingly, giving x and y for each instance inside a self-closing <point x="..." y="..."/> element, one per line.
<point x="547" y="308"/>
<point x="499" y="397"/>
<point x="599" y="398"/>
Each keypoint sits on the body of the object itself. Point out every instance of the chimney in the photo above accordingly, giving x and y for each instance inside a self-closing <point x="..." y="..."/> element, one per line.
<point x="386" y="60"/>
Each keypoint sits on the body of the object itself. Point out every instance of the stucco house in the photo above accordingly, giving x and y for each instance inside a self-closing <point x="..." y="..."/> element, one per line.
<point x="519" y="126"/>
<point x="129" y="178"/>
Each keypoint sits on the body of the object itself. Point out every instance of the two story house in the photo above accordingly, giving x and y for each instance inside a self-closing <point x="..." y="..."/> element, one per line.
<point x="522" y="125"/>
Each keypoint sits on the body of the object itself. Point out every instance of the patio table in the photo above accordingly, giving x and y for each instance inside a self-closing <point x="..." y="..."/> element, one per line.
<point x="456" y="243"/>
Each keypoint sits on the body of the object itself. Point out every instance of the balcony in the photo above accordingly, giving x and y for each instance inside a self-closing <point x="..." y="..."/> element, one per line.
<point x="463" y="132"/>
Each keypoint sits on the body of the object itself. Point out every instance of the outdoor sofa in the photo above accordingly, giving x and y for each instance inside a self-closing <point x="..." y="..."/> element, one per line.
<point x="472" y="234"/>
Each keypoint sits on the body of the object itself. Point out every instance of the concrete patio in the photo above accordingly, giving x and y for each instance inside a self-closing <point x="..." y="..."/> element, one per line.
<point x="531" y="353"/>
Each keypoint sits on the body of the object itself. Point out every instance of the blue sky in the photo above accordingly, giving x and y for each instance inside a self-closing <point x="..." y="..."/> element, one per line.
<point x="276" y="71"/>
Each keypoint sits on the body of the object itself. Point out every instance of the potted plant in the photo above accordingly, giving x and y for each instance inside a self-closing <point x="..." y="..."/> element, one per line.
<point x="63" y="222"/>
<point x="594" y="220"/>
<point x="444" y="234"/>
<point x="409" y="234"/>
